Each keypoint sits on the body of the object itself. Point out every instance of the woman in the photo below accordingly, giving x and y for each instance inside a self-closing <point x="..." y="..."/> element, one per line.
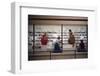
<point x="71" y="39"/>
<point x="81" y="47"/>
<point x="44" y="41"/>
<point x="57" y="45"/>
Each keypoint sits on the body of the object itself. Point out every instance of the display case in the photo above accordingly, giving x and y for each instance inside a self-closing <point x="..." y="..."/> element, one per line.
<point x="53" y="31"/>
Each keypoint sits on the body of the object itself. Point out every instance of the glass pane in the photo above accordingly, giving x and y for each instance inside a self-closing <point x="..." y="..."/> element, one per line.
<point x="45" y="40"/>
<point x="74" y="36"/>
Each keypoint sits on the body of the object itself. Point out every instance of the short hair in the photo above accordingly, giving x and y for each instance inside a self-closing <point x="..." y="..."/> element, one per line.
<point x="70" y="30"/>
<point x="58" y="37"/>
<point x="81" y="41"/>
